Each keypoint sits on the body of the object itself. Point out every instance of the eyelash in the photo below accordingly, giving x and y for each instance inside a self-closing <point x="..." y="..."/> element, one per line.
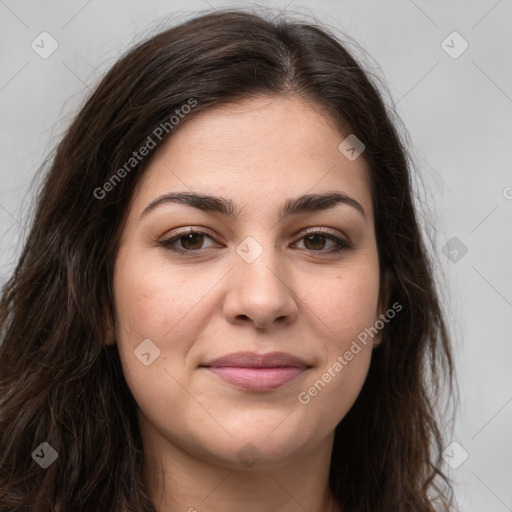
<point x="342" y="245"/>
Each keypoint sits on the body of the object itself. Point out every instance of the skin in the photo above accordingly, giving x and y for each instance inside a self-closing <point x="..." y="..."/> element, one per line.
<point x="296" y="297"/>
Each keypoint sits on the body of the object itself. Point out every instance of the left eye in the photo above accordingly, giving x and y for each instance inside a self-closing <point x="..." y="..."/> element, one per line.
<point x="320" y="238"/>
<point x="192" y="240"/>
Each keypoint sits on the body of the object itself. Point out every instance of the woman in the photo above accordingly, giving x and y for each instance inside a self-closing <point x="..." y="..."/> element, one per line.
<point x="225" y="299"/>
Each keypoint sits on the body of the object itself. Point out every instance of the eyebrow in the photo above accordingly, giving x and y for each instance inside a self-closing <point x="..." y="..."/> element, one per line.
<point x="296" y="206"/>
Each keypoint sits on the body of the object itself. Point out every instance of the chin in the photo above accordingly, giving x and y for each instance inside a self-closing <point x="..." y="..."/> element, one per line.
<point x="255" y="448"/>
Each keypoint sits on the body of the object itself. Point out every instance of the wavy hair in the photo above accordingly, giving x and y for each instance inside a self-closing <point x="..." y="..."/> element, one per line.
<point x="61" y="385"/>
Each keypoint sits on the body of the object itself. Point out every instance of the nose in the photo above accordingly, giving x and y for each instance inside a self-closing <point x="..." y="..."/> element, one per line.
<point x="260" y="292"/>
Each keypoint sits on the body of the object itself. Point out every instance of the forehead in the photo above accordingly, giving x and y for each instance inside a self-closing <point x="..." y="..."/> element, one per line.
<point x="260" y="149"/>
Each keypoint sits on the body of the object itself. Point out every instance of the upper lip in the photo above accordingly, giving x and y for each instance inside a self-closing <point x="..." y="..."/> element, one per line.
<point x="254" y="360"/>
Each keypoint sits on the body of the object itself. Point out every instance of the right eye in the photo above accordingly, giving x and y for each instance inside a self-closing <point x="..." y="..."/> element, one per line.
<point x="189" y="240"/>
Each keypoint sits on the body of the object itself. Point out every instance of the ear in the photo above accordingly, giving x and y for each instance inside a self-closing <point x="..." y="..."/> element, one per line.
<point x="109" y="337"/>
<point x="384" y="299"/>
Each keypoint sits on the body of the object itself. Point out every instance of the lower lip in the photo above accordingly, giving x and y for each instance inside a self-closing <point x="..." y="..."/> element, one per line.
<point x="257" y="379"/>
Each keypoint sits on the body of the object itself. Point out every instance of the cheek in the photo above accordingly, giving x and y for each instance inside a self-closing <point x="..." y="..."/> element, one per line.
<point x="156" y="304"/>
<point x="344" y="304"/>
<point x="346" y="307"/>
<point x="153" y="302"/>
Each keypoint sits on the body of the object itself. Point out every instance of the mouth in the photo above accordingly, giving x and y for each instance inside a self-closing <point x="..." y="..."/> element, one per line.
<point x="257" y="372"/>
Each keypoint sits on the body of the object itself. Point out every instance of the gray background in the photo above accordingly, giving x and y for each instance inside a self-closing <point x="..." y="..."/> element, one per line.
<point x="457" y="112"/>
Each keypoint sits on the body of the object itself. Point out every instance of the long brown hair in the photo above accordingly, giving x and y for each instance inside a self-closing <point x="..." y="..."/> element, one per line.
<point x="61" y="385"/>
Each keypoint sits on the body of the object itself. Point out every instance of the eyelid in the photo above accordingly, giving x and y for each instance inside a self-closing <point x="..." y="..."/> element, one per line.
<point x="178" y="232"/>
<point x="325" y="231"/>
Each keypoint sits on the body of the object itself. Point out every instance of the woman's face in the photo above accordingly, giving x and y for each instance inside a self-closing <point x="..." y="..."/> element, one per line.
<point x="258" y="277"/>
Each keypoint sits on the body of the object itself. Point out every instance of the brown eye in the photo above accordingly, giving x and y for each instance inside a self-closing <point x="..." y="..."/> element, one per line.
<point x="314" y="242"/>
<point x="192" y="241"/>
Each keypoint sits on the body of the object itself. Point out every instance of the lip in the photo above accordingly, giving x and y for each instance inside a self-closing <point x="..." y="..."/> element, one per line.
<point x="257" y="372"/>
<point x="254" y="360"/>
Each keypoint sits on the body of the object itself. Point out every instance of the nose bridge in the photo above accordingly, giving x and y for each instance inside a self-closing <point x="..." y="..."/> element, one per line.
<point x="259" y="289"/>
<point x="260" y="266"/>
